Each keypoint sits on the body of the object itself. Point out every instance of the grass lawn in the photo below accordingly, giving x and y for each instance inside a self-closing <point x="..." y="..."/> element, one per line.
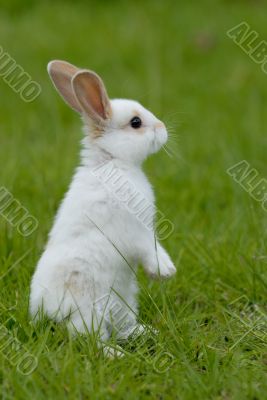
<point x="176" y="59"/>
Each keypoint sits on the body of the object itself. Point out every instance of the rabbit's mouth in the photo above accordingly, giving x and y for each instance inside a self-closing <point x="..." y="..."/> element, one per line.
<point x="156" y="144"/>
<point x="160" y="137"/>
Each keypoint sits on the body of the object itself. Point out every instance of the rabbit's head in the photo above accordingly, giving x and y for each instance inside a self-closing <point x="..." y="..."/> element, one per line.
<point x="122" y="128"/>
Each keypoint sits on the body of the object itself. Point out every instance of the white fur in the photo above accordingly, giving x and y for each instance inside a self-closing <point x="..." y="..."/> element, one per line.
<point x="93" y="234"/>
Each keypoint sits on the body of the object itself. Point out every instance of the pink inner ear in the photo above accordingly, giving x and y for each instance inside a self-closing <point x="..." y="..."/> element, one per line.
<point x="91" y="94"/>
<point x="95" y="97"/>
<point x="61" y="74"/>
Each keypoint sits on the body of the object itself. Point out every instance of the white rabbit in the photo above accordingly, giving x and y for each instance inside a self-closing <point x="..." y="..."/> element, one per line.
<point x="87" y="270"/>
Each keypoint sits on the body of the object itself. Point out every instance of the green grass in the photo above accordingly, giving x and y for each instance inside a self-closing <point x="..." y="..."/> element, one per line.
<point x="176" y="58"/>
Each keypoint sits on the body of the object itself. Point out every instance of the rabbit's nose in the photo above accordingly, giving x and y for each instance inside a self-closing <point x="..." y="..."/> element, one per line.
<point x="160" y="128"/>
<point x="160" y="131"/>
<point x="160" y="125"/>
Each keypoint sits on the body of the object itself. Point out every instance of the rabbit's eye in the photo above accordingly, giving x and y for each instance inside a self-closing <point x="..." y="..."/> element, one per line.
<point x="136" y="122"/>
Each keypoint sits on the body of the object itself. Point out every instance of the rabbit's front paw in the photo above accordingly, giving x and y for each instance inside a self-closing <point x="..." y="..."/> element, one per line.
<point x="162" y="266"/>
<point x="166" y="268"/>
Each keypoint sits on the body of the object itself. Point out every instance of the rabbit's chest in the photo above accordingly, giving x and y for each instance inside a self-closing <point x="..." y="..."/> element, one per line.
<point x="131" y="203"/>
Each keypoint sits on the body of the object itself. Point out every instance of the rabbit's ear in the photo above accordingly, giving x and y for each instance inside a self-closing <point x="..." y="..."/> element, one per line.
<point x="92" y="96"/>
<point x="61" y="74"/>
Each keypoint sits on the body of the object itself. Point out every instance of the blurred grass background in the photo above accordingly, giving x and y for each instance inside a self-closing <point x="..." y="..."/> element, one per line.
<point x="176" y="59"/>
